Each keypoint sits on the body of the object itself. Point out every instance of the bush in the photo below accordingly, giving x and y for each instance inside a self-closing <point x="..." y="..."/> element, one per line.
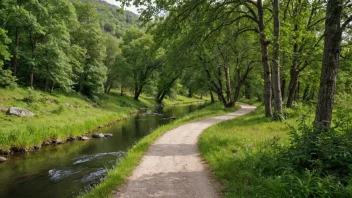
<point x="31" y="97"/>
<point x="7" y="80"/>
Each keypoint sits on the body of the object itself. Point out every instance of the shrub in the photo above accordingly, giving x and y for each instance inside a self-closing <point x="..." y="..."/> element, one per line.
<point x="7" y="80"/>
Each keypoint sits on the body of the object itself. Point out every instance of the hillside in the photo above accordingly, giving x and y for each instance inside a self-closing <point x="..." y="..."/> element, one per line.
<point x="112" y="20"/>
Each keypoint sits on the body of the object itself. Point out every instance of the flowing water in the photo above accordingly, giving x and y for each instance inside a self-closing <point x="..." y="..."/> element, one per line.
<point x="69" y="169"/>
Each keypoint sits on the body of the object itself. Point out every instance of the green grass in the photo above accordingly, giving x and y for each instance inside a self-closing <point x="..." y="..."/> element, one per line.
<point x="250" y="157"/>
<point x="124" y="168"/>
<point x="56" y="120"/>
<point x="226" y="147"/>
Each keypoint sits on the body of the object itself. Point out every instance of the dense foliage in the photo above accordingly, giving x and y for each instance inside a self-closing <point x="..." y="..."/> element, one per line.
<point x="59" y="44"/>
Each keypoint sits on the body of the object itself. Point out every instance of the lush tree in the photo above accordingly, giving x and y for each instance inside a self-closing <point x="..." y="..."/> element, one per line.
<point x="142" y="56"/>
<point x="89" y="36"/>
<point x="6" y="78"/>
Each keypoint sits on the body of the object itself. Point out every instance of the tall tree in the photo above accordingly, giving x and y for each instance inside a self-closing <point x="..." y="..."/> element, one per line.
<point x="334" y="27"/>
<point x="276" y="61"/>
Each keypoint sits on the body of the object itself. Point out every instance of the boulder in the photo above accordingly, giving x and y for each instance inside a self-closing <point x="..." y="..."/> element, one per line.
<point x="20" y="112"/>
<point x="2" y="159"/>
<point x="108" y="135"/>
<point x="84" y="138"/>
<point x="96" y="135"/>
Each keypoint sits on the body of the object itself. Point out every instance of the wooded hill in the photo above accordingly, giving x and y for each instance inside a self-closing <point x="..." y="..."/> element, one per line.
<point x="61" y="45"/>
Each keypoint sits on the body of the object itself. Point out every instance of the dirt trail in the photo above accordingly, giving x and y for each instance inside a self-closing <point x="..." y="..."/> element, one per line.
<point x="172" y="166"/>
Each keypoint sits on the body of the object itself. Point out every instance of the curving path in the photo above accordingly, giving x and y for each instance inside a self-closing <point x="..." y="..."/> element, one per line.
<point x="172" y="166"/>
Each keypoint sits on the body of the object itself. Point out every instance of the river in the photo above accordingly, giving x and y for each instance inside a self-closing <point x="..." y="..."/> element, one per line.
<point x="71" y="169"/>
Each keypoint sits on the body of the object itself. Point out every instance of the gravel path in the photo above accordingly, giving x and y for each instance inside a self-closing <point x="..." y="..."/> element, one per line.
<point x="172" y="166"/>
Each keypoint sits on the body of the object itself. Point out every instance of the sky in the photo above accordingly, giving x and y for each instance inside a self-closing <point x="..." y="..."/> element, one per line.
<point x="131" y="8"/>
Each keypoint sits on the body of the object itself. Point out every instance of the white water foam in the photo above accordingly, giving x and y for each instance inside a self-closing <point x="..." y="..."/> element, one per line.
<point x="94" y="175"/>
<point x="87" y="158"/>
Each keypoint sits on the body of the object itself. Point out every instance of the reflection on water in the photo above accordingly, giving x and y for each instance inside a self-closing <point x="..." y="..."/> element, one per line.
<point x="65" y="170"/>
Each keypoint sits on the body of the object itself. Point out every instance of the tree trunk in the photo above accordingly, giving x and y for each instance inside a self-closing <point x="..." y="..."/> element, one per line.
<point x="121" y="91"/>
<point x="138" y="92"/>
<point x="283" y="85"/>
<point x="52" y="87"/>
<point x="161" y="97"/>
<point x="190" y="93"/>
<point x="292" y="86"/>
<point x="166" y="88"/>
<point x="276" y="62"/>
<point x="247" y="90"/>
<point x="15" y="56"/>
<point x="228" y="83"/>
<point x="294" y="72"/>
<point x="330" y="66"/>
<point x="237" y="92"/>
<point x="305" y="93"/>
<point x="265" y="59"/>
<point x="297" y="92"/>
<point x="211" y="96"/>
<point x="46" y="85"/>
<point x="31" y="76"/>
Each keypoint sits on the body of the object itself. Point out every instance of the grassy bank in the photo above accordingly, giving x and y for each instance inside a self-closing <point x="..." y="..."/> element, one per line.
<point x="251" y="157"/>
<point x="59" y="116"/>
<point x="123" y="169"/>
<point x="225" y="147"/>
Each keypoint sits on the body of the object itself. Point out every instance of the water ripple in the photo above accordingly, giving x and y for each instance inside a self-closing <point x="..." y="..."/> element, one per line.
<point x="99" y="173"/>
<point x="87" y="158"/>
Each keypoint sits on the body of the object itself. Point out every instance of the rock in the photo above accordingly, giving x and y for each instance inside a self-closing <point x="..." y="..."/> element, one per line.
<point x="58" y="142"/>
<point x="70" y="105"/>
<point x="20" y="112"/>
<point x="108" y="135"/>
<point x="96" y="135"/>
<point x="46" y="143"/>
<point x="5" y="152"/>
<point x="36" y="147"/>
<point x="3" y="109"/>
<point x="72" y="138"/>
<point x="84" y="138"/>
<point x="16" y="149"/>
<point x="2" y="159"/>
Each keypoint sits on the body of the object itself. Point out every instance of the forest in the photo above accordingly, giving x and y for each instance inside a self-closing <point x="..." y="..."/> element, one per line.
<point x="293" y="58"/>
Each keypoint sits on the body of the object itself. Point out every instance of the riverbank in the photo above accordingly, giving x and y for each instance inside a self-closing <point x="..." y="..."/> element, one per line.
<point x="59" y="117"/>
<point x="123" y="169"/>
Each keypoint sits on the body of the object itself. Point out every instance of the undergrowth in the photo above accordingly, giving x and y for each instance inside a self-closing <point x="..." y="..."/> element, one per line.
<point x="254" y="156"/>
